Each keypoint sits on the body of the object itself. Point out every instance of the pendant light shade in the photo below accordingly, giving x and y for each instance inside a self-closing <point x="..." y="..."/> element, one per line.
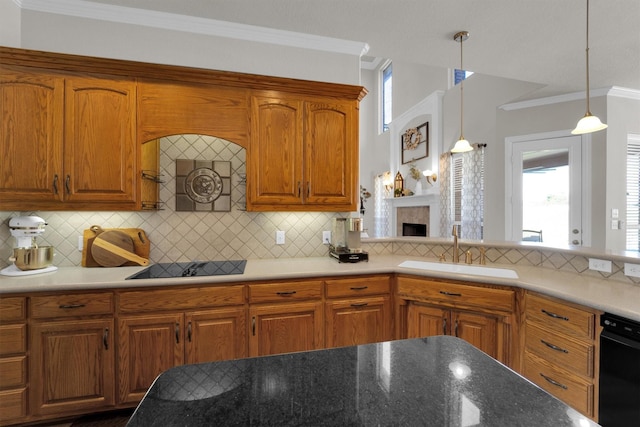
<point x="462" y="145"/>
<point x="589" y="123"/>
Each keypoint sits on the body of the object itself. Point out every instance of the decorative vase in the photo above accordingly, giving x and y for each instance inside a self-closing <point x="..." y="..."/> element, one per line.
<point x="418" y="189"/>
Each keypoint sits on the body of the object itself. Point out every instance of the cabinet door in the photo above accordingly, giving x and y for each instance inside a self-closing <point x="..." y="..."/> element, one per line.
<point x="148" y="346"/>
<point x="331" y="154"/>
<point x="477" y="329"/>
<point x="100" y="144"/>
<point x="425" y="321"/>
<point x="72" y="366"/>
<point x="216" y="335"/>
<point x="31" y="111"/>
<point x="285" y="328"/>
<point x="275" y="157"/>
<point x="358" y="321"/>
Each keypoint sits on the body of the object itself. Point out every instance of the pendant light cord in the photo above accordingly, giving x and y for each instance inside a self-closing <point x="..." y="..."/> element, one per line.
<point x="462" y="77"/>
<point x="587" y="56"/>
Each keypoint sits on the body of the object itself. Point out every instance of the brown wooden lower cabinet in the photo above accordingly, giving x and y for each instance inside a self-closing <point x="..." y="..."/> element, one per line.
<point x="147" y="346"/>
<point x="13" y="359"/>
<point x="151" y="344"/>
<point x="478" y="329"/>
<point x="561" y="349"/>
<point x="72" y="366"/>
<point x="358" y="321"/>
<point x="285" y="328"/>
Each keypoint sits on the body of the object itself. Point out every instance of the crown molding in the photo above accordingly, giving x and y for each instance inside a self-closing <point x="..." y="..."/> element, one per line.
<point x="616" y="91"/>
<point x="193" y="24"/>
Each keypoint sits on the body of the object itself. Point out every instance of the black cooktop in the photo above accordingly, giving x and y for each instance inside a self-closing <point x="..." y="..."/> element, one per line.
<point x="190" y="269"/>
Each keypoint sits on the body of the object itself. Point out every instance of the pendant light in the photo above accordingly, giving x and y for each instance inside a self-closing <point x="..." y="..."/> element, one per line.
<point x="589" y="123"/>
<point x="462" y="145"/>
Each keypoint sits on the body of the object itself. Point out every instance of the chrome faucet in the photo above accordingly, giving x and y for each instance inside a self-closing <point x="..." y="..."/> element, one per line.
<point x="456" y="250"/>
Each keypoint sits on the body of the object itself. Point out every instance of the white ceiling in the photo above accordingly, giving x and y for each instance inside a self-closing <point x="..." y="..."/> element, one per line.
<point x="541" y="41"/>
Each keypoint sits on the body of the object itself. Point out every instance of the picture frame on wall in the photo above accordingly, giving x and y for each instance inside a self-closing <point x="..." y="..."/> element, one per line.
<point x="414" y="143"/>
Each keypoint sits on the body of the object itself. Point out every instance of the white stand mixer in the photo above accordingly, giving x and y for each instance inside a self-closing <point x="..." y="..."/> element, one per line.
<point x="25" y="229"/>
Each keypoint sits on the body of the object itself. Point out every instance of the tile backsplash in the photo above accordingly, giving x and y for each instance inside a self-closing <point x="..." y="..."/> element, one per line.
<point x="186" y="236"/>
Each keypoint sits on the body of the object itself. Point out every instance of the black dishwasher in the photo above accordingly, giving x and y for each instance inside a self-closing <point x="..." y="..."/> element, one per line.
<point x="619" y="372"/>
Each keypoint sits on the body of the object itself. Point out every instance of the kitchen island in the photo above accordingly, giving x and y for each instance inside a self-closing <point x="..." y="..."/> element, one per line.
<point x="435" y="381"/>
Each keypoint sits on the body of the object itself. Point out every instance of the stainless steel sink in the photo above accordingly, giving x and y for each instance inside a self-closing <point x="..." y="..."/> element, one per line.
<point x="474" y="270"/>
<point x="190" y="269"/>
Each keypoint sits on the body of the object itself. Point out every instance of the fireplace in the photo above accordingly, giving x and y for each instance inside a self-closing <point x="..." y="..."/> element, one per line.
<point x="412" y="221"/>
<point x="411" y="229"/>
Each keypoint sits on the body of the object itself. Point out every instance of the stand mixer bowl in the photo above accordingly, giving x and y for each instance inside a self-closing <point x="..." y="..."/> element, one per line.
<point x="27" y="255"/>
<point x="32" y="258"/>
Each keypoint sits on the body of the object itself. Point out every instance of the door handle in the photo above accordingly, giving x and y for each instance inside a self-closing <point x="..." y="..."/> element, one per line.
<point x="105" y="338"/>
<point x="444" y="326"/>
<point x="189" y="331"/>
<point x="55" y="184"/>
<point x="253" y="326"/>
<point x="177" y="333"/>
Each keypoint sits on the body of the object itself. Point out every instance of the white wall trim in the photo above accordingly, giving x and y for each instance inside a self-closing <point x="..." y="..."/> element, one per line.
<point x="193" y="24"/>
<point x="616" y="91"/>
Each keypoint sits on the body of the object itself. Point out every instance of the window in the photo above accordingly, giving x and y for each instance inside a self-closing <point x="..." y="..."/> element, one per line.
<point x="460" y="75"/>
<point x="465" y="193"/>
<point x="386" y="91"/>
<point x="633" y="193"/>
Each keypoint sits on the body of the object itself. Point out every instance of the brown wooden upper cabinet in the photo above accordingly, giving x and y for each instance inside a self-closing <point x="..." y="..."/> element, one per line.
<point x="303" y="154"/>
<point x="68" y="141"/>
<point x="72" y="137"/>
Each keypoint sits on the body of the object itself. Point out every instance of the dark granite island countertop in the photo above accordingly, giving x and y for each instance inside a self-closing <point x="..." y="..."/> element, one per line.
<point x="436" y="381"/>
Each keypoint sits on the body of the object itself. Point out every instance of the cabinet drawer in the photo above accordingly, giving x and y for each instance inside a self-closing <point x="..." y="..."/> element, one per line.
<point x="572" y="355"/>
<point x="13" y="339"/>
<point x="13" y="372"/>
<point x="560" y="317"/>
<point x="457" y="294"/>
<point x="358" y="286"/>
<point x="13" y="309"/>
<point x="569" y="388"/>
<point x="180" y="299"/>
<point x="56" y="306"/>
<point x="13" y="404"/>
<point x="271" y="292"/>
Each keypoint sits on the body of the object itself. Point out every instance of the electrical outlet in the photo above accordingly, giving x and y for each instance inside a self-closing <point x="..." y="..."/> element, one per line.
<point x="600" y="265"/>
<point x="80" y="243"/>
<point x="326" y="237"/>
<point x="631" y="269"/>
<point x="279" y="237"/>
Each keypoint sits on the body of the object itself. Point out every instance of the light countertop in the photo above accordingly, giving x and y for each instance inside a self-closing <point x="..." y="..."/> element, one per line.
<point x="607" y="295"/>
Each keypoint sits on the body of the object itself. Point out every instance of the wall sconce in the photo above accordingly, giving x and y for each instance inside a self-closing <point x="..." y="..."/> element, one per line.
<point x="431" y="176"/>
<point x="387" y="182"/>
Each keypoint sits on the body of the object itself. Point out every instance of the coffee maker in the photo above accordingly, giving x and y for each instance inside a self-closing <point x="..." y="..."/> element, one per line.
<point x="345" y="240"/>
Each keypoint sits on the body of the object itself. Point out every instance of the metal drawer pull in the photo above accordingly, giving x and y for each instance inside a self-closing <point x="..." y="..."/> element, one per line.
<point x="555" y="316"/>
<point x="285" y="293"/>
<point x="358" y="288"/>
<point x="71" y="305"/>
<point x="455" y="328"/>
<point x="55" y="184"/>
<point x="177" y="333"/>
<point x="105" y="338"/>
<point x="189" y="331"/>
<point x="451" y="294"/>
<point x="554" y="347"/>
<point x="360" y="304"/>
<point x="67" y="185"/>
<point x="555" y="383"/>
<point x="253" y="326"/>
<point x="444" y="326"/>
